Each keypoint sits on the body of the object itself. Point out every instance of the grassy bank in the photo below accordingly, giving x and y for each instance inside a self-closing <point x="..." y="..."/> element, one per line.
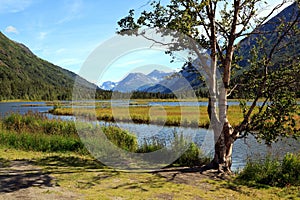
<point x="73" y="176"/>
<point x="53" y="163"/>
<point x="35" y="132"/>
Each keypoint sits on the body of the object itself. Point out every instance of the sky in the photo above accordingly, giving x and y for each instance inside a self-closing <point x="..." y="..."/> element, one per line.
<point x="66" y="32"/>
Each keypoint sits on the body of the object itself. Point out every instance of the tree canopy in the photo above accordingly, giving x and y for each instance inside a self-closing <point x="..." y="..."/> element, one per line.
<point x="266" y="69"/>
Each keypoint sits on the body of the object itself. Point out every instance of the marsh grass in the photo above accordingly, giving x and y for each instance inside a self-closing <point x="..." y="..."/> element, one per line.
<point x="187" y="116"/>
<point x="38" y="123"/>
<point x="41" y="142"/>
<point x="167" y="115"/>
<point x="35" y="132"/>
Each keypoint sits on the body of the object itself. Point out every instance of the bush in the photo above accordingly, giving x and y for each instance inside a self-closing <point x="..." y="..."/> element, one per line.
<point x="272" y="172"/>
<point x="123" y="139"/>
<point x="192" y="157"/>
<point x="291" y="170"/>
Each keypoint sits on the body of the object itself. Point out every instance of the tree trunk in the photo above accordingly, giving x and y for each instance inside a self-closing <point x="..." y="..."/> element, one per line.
<point x="223" y="149"/>
<point x="224" y="138"/>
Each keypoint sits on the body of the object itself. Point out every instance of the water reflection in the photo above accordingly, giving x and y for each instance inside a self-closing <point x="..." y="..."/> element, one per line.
<point x="243" y="150"/>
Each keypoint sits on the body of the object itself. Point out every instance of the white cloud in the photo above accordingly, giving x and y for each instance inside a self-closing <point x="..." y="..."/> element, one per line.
<point x="14" y="6"/>
<point x="11" y="29"/>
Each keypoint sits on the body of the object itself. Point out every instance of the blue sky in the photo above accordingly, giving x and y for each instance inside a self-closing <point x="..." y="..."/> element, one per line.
<point x="65" y="32"/>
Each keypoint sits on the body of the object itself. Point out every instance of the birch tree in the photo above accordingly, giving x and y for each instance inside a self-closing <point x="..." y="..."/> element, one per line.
<point x="218" y="26"/>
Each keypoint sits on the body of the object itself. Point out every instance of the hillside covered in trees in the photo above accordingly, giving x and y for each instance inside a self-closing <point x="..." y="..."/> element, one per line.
<point x="25" y="76"/>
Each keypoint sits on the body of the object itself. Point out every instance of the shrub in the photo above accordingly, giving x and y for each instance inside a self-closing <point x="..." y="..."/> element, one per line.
<point x="121" y="138"/>
<point x="192" y="157"/>
<point x="290" y="170"/>
<point x="272" y="172"/>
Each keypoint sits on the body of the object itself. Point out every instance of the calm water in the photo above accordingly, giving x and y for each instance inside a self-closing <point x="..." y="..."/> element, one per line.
<point x="21" y="107"/>
<point x="244" y="149"/>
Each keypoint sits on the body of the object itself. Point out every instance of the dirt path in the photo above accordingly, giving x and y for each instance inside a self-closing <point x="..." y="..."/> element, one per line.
<point x="190" y="176"/>
<point x="22" y="180"/>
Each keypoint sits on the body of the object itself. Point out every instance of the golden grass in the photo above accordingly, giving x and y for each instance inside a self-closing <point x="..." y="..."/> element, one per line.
<point x="168" y="115"/>
<point x="195" y="116"/>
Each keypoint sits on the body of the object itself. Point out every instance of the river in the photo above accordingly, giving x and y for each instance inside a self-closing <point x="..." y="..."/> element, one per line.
<point x="244" y="149"/>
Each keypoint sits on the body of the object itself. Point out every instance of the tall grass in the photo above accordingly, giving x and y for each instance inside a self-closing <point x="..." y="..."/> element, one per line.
<point x="193" y="156"/>
<point x="190" y="116"/>
<point x="41" y="142"/>
<point x="35" y="132"/>
<point x="168" y="115"/>
<point x="121" y="138"/>
<point x="272" y="172"/>
<point x="38" y="123"/>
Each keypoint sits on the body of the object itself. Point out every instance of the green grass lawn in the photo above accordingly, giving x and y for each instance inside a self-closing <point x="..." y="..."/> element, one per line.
<point x="85" y="178"/>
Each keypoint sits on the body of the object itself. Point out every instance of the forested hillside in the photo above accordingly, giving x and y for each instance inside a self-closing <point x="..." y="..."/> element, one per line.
<point x="25" y="76"/>
<point x="279" y="40"/>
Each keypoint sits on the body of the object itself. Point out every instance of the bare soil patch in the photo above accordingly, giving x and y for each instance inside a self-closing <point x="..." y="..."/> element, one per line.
<point x="23" y="180"/>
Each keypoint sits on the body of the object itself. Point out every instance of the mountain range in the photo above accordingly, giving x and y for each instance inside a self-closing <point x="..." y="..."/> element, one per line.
<point x="136" y="81"/>
<point x="23" y="75"/>
<point x="186" y="79"/>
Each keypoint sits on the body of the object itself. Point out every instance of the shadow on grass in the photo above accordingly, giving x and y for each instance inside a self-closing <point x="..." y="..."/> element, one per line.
<point x="69" y="161"/>
<point x="23" y="180"/>
<point x="4" y="162"/>
<point x="20" y="174"/>
<point x="187" y="175"/>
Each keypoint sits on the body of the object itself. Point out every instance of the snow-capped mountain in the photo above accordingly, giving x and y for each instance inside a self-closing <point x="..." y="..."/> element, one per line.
<point x="159" y="75"/>
<point x="108" y="85"/>
<point x="183" y="80"/>
<point x="133" y="81"/>
<point x="136" y="81"/>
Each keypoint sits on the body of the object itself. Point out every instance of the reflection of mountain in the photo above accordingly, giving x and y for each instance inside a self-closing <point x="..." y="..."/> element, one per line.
<point x="25" y="76"/>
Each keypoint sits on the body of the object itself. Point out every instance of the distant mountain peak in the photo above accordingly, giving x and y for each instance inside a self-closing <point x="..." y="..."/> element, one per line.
<point x="108" y="85"/>
<point x="135" y="80"/>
